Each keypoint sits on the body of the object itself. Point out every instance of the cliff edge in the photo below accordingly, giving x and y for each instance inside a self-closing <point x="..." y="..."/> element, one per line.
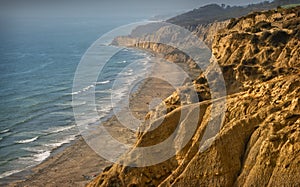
<point x="259" y="142"/>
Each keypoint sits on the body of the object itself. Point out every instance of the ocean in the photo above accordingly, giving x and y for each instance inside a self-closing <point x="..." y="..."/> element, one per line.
<point x="38" y="59"/>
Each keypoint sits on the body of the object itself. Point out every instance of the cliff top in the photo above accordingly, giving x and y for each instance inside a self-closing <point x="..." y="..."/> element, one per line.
<point x="214" y="12"/>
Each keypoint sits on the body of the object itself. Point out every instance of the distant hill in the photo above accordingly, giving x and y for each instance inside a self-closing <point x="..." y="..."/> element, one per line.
<point x="214" y="12"/>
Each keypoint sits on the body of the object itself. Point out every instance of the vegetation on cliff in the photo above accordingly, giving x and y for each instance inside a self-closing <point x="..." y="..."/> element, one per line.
<point x="214" y="12"/>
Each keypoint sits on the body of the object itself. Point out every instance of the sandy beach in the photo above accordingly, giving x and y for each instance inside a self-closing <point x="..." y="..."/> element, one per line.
<point x="77" y="164"/>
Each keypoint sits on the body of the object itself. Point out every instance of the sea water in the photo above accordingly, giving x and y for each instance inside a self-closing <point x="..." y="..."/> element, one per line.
<point x="37" y="65"/>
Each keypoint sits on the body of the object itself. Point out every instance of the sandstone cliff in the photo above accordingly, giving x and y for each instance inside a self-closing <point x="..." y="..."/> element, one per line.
<point x="259" y="142"/>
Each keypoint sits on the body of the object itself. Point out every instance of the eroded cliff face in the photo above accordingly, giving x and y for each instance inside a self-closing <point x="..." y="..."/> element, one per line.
<point x="140" y="38"/>
<point x="259" y="142"/>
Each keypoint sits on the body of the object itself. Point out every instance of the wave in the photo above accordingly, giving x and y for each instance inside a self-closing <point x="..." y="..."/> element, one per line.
<point x="102" y="82"/>
<point x="126" y="73"/>
<point x="88" y="87"/>
<point x="4" y="131"/>
<point x="8" y="173"/>
<point x="59" y="144"/>
<point x="83" y="90"/>
<point x="84" y="123"/>
<point x="75" y="93"/>
<point x="122" y="62"/>
<point x="104" y="91"/>
<point x="41" y="153"/>
<point x="60" y="129"/>
<point x="27" y="140"/>
<point x="39" y="157"/>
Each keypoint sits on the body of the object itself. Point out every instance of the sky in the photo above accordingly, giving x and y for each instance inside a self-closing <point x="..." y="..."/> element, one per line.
<point x="104" y="8"/>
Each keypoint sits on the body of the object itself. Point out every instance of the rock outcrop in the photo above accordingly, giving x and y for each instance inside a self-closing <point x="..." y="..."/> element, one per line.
<point x="259" y="142"/>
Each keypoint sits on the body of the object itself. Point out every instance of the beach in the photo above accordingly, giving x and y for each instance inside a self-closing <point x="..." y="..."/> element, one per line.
<point x="77" y="164"/>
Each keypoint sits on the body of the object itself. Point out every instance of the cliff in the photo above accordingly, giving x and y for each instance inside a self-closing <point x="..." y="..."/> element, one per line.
<point x="259" y="142"/>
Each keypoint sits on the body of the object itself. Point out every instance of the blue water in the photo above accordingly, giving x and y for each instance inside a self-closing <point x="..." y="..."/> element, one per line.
<point x="37" y="65"/>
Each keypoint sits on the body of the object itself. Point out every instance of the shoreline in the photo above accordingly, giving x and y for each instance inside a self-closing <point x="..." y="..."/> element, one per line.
<point x="21" y="175"/>
<point x="75" y="163"/>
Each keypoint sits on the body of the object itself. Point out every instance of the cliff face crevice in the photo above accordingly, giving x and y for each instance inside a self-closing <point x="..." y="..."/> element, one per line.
<point x="259" y="142"/>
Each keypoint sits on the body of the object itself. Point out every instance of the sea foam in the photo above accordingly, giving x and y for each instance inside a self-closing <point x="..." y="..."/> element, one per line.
<point x="27" y="140"/>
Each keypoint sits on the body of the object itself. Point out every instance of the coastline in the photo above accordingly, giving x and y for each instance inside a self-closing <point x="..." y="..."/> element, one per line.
<point x="76" y="164"/>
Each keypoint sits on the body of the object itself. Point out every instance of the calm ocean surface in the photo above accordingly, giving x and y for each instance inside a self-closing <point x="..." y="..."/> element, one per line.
<point x="38" y="59"/>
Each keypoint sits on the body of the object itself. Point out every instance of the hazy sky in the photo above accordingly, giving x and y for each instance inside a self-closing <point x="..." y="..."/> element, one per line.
<point x="105" y="8"/>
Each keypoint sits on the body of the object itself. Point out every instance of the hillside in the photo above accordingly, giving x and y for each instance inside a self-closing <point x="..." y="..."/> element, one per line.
<point x="259" y="142"/>
<point x="214" y="12"/>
